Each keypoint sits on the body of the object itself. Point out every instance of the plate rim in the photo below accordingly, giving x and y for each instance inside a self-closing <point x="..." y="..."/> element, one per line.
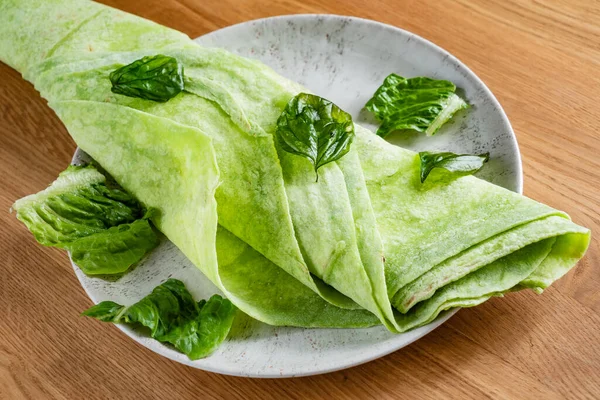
<point x="173" y="355"/>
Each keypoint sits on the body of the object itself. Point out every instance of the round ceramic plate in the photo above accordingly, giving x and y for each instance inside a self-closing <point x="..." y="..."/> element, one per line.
<point x="344" y="60"/>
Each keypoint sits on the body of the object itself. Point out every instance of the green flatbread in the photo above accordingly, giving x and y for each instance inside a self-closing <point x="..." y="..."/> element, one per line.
<point x="366" y="244"/>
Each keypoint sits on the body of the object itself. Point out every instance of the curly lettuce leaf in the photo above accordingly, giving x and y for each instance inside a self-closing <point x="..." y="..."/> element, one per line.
<point x="103" y="227"/>
<point x="173" y="316"/>
<point x="421" y="104"/>
<point x="115" y="249"/>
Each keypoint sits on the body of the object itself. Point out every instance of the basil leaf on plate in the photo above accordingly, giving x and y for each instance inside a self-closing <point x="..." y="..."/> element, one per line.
<point x="103" y="227"/>
<point x="158" y="78"/>
<point x="106" y="311"/>
<point x="421" y="104"/>
<point x="173" y="316"/>
<point x="452" y="162"/>
<point x="315" y="128"/>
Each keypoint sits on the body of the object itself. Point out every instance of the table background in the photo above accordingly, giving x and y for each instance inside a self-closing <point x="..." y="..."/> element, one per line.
<point x="542" y="61"/>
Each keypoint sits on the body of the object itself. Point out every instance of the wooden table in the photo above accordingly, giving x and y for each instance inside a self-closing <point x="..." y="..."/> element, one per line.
<point x="542" y="61"/>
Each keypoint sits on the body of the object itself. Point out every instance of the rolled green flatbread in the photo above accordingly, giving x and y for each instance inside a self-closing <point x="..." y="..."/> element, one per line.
<point x="366" y="244"/>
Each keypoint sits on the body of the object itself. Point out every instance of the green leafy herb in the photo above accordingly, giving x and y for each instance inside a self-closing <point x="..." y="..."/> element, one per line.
<point x="103" y="227"/>
<point x="452" y="162"/>
<point x="114" y="250"/>
<point x="157" y="78"/>
<point x="106" y="311"/>
<point x="170" y="312"/>
<point x="420" y="104"/>
<point x="315" y="128"/>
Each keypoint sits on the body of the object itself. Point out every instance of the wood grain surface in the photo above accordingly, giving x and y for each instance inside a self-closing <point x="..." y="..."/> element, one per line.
<point x="542" y="61"/>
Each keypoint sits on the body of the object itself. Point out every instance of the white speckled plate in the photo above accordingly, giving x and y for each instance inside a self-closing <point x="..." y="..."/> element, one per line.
<point x="342" y="59"/>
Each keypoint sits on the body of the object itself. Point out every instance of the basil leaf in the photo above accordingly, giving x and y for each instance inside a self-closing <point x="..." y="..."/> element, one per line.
<point x="420" y="104"/>
<point x="158" y="78"/>
<point x="450" y="161"/>
<point x="102" y="226"/>
<point x="170" y="312"/>
<point x="315" y="128"/>
<point x="106" y="311"/>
